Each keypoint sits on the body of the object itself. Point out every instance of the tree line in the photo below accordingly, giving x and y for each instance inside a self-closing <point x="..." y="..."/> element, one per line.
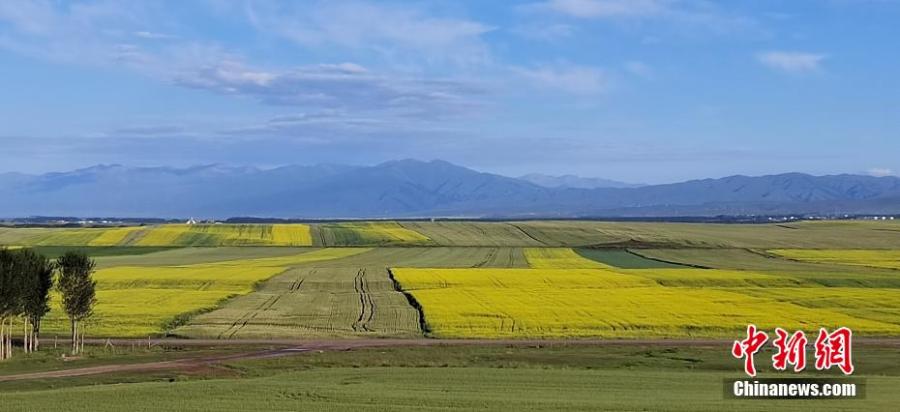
<point x="26" y="280"/>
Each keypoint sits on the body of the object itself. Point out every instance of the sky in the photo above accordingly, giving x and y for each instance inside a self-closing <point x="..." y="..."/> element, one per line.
<point x="649" y="91"/>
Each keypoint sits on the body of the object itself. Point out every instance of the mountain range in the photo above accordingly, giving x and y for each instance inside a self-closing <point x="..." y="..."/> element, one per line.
<point x="412" y="188"/>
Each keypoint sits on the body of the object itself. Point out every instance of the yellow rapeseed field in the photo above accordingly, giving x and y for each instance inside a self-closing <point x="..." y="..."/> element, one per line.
<point x="291" y="235"/>
<point x="115" y="236"/>
<point x="874" y="258"/>
<point x="138" y="301"/>
<point x="163" y="235"/>
<point x="226" y="235"/>
<point x="560" y="258"/>
<point x="522" y="303"/>
<point x="375" y="231"/>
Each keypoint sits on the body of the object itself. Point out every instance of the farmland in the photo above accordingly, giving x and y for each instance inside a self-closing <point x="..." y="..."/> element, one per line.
<point x="889" y="259"/>
<point x="387" y="283"/>
<point x="353" y="296"/>
<point x="558" y="303"/>
<point x="476" y="279"/>
<point x="144" y="300"/>
<point x="801" y="235"/>
<point x="162" y="235"/>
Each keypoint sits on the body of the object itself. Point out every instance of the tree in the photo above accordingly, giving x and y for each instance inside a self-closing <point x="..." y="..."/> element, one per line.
<point x="78" y="291"/>
<point x="9" y="300"/>
<point x="36" y="274"/>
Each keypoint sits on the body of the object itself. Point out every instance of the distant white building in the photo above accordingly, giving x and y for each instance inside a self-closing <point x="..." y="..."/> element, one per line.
<point x="191" y="221"/>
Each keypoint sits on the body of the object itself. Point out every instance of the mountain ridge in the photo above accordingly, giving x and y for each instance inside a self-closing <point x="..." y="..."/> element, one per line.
<point x="408" y="187"/>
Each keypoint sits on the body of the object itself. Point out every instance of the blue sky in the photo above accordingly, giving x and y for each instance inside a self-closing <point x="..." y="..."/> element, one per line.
<point x="636" y="90"/>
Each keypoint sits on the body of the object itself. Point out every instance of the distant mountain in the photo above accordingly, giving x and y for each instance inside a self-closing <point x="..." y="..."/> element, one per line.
<point x="411" y="188"/>
<point x="575" y="182"/>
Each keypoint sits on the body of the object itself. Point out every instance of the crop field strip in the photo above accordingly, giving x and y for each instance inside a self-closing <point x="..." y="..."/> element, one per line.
<point x="887" y="259"/>
<point x="641" y="235"/>
<point x="351" y="296"/>
<point x="142" y="300"/>
<point x="162" y="235"/>
<point x="664" y="302"/>
<point x="367" y="233"/>
<point x="626" y="259"/>
<point x="823" y="274"/>
<point x="560" y="258"/>
<point x="195" y="255"/>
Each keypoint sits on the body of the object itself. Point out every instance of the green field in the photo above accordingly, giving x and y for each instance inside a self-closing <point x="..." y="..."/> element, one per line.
<point x="352" y="296"/>
<point x="556" y="377"/>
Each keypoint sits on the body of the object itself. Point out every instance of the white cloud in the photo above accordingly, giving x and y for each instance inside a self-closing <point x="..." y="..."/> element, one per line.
<point x="791" y="61"/>
<point x="881" y="172"/>
<point x="345" y="86"/>
<point x="84" y="33"/>
<point x="108" y="35"/>
<point x="395" y="31"/>
<point x="678" y="17"/>
<point x="568" y="78"/>
<point x="590" y="9"/>
<point x="149" y="35"/>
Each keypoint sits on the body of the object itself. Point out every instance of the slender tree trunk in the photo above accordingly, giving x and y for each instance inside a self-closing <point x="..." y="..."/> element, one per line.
<point x="74" y="336"/>
<point x="9" y="344"/>
<point x="81" y="350"/>
<point x="2" y="340"/>
<point x="25" y="334"/>
<point x="9" y="339"/>
<point x="37" y="335"/>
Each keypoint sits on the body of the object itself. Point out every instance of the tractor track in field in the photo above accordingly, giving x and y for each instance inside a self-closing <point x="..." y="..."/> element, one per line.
<point x="242" y="322"/>
<point x="540" y="242"/>
<point x="490" y="257"/>
<point x="288" y="347"/>
<point x="246" y="318"/>
<point x="366" y="303"/>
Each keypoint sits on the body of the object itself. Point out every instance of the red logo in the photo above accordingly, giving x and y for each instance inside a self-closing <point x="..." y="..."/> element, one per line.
<point x="832" y="349"/>
<point x="748" y="347"/>
<point x="790" y="350"/>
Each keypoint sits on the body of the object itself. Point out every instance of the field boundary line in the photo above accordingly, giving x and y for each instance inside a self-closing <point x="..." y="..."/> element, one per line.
<point x="420" y="311"/>
<point x="690" y="265"/>
<point x="528" y="234"/>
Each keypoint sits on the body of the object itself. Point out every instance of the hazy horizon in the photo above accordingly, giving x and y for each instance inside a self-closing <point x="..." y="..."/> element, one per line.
<point x="642" y="91"/>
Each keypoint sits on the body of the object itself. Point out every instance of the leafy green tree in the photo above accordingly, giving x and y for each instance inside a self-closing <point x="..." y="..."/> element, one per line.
<point x="35" y="274"/>
<point x="78" y="291"/>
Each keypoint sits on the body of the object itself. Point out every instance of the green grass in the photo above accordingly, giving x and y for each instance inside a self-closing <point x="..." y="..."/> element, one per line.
<point x="557" y="377"/>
